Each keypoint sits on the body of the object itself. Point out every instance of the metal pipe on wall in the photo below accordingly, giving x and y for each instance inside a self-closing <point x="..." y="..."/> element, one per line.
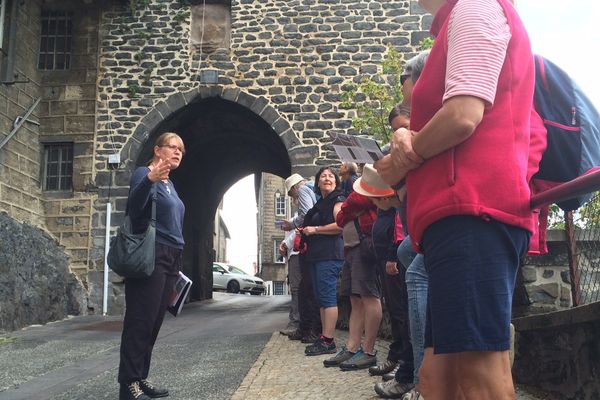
<point x="106" y="247"/>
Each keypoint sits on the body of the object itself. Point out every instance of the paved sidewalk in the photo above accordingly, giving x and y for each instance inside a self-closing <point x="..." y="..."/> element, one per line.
<point x="282" y="371"/>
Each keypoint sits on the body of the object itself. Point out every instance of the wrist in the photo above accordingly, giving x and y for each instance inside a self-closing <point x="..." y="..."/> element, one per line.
<point x="317" y="229"/>
<point x="419" y="159"/>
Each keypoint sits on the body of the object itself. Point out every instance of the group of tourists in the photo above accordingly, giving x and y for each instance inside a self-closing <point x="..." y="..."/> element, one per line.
<point x="437" y="228"/>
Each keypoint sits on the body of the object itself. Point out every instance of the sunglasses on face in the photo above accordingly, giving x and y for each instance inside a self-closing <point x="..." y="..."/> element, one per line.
<point x="403" y="78"/>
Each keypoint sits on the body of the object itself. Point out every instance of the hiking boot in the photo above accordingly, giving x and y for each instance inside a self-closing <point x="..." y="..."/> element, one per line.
<point x="360" y="360"/>
<point x="383" y="368"/>
<point x="412" y="394"/>
<point x="390" y="375"/>
<point x="320" y="347"/>
<point x="132" y="391"/>
<point x="152" y="391"/>
<point x="310" y="338"/>
<point x="296" y="335"/>
<point x="392" y="389"/>
<point x="403" y="372"/>
<point x="339" y="358"/>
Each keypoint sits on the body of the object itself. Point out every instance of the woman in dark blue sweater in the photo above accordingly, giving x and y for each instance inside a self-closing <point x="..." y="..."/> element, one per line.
<point x="147" y="299"/>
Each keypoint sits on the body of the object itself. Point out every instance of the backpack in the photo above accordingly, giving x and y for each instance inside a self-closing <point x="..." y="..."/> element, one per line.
<point x="573" y="126"/>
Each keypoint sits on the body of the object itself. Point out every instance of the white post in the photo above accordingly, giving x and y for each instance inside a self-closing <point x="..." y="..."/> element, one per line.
<point x="106" y="246"/>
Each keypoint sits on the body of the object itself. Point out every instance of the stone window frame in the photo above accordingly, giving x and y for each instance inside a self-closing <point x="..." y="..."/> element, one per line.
<point x="277" y="258"/>
<point x="61" y="174"/>
<point x="50" y="55"/>
<point x="280" y="204"/>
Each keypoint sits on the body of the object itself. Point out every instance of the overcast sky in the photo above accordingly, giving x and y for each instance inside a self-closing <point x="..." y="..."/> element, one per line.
<point x="562" y="31"/>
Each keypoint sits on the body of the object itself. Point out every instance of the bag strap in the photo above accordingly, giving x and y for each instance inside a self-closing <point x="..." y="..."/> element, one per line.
<point x="154" y="197"/>
<point x="361" y="235"/>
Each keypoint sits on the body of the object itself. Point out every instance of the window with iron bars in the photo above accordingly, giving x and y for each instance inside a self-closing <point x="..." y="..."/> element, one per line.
<point x="58" y="166"/>
<point x="55" y="40"/>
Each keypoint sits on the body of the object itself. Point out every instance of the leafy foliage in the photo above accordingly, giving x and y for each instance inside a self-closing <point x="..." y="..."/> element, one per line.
<point x="374" y="96"/>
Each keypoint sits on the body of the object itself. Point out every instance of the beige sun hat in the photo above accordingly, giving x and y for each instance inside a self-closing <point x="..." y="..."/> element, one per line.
<point x="370" y="184"/>
<point x="291" y="181"/>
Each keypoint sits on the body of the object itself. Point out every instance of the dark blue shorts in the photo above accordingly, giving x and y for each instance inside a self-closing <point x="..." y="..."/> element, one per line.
<point x="325" y="275"/>
<point x="472" y="266"/>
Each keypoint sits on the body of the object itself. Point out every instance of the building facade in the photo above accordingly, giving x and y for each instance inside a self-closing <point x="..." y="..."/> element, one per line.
<point x="252" y="87"/>
<point x="274" y="205"/>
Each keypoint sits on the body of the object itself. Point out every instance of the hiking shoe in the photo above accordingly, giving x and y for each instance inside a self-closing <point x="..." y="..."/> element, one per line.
<point x="343" y="355"/>
<point x="383" y="368"/>
<point x="403" y="372"/>
<point x="320" y="347"/>
<point x="132" y="391"/>
<point x="390" y="375"/>
<point x="360" y="360"/>
<point x="412" y="394"/>
<point x="392" y="389"/>
<point x="152" y="391"/>
<point x="309" y="338"/>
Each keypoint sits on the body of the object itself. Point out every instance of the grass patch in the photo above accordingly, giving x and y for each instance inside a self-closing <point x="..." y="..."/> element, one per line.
<point x="7" y="340"/>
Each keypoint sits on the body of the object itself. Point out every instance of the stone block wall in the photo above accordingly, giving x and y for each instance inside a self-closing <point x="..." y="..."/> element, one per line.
<point x="68" y="114"/>
<point x="560" y="352"/>
<point x="20" y="158"/>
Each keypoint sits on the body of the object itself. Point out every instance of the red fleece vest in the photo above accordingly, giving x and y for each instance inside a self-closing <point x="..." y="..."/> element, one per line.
<point x="486" y="175"/>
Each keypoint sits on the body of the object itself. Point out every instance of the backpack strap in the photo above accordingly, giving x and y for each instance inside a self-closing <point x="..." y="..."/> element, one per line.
<point x="541" y="68"/>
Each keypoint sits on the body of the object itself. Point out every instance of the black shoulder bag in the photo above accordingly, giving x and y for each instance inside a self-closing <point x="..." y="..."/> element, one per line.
<point x="131" y="255"/>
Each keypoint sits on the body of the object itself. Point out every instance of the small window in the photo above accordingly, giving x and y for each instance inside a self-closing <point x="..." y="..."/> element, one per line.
<point x="58" y="166"/>
<point x="55" y="40"/>
<point x="280" y="205"/>
<point x="278" y="288"/>
<point x="277" y="258"/>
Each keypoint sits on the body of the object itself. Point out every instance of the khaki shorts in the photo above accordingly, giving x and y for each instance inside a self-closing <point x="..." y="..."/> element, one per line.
<point x="358" y="277"/>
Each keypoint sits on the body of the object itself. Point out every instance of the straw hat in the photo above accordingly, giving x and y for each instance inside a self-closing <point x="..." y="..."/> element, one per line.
<point x="370" y="184"/>
<point x="291" y="181"/>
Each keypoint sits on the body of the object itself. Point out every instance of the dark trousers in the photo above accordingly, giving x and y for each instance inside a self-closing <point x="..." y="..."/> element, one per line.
<point x="310" y="317"/>
<point x="396" y="304"/>
<point x="146" y="301"/>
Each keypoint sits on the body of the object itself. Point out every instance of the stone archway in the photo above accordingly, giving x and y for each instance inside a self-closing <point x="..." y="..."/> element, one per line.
<point x="228" y="134"/>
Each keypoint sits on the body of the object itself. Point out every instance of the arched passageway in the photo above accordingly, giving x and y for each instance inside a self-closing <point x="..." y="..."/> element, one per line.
<point x="224" y="141"/>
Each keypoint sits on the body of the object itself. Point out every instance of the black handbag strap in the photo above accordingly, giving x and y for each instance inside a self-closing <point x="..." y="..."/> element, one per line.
<point x="154" y="197"/>
<point x="154" y="193"/>
<point x="361" y="235"/>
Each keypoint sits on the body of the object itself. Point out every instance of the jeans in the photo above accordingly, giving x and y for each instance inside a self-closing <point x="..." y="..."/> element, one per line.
<point x="416" y="285"/>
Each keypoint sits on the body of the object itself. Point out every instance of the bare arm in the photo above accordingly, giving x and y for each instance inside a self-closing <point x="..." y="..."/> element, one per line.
<point x="451" y="125"/>
<point x="329" y="229"/>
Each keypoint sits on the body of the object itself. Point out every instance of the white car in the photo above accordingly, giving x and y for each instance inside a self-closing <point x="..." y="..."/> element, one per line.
<point x="234" y="280"/>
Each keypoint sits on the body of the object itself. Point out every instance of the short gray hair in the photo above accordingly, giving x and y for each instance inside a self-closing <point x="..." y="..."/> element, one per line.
<point x="415" y="65"/>
<point x="351" y="167"/>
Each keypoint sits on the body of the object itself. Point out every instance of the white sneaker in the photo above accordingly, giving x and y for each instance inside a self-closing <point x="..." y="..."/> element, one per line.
<point x="413" y="394"/>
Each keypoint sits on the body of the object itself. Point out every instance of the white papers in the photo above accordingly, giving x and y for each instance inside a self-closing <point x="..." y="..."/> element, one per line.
<point x="180" y="292"/>
<point x="357" y="149"/>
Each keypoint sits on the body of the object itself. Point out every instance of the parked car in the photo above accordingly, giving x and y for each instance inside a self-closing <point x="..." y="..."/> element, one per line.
<point x="234" y="280"/>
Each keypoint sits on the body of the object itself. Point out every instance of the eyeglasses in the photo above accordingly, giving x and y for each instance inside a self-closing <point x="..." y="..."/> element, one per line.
<point x="403" y="78"/>
<point x="173" y="147"/>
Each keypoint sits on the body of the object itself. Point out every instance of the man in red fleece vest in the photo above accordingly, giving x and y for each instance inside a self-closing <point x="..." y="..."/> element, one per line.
<point x="465" y="161"/>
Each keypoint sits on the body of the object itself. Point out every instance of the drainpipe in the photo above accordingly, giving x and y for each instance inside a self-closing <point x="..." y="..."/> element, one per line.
<point x="106" y="247"/>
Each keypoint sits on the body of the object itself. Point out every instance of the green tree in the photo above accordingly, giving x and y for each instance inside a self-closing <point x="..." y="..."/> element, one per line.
<point x="373" y="97"/>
